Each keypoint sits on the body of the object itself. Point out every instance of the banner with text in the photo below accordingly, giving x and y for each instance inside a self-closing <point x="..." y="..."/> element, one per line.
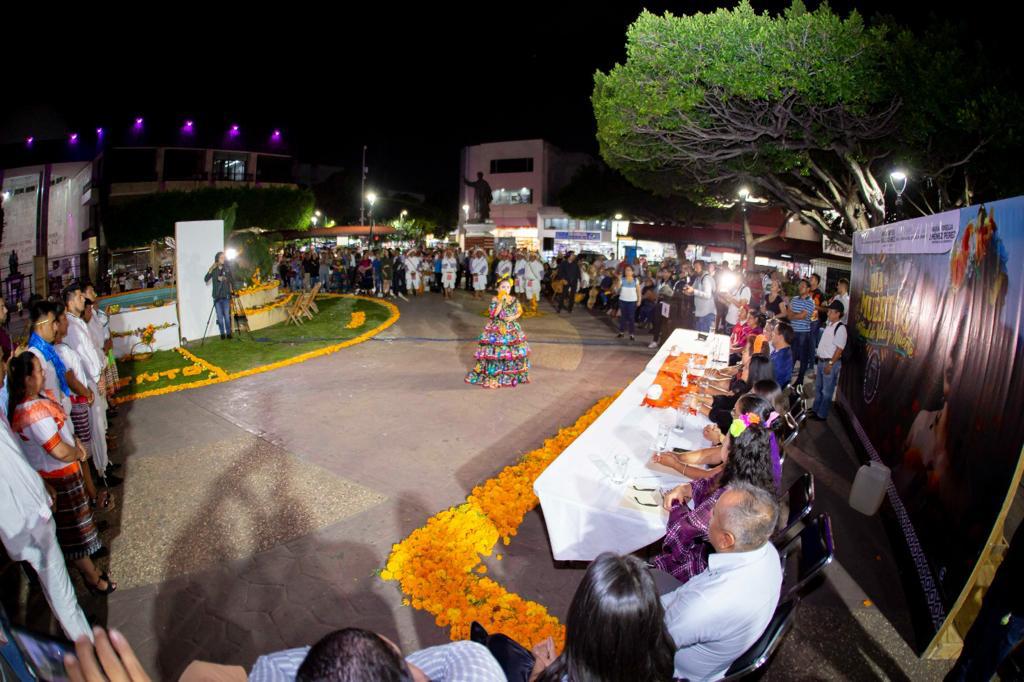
<point x="936" y="386"/>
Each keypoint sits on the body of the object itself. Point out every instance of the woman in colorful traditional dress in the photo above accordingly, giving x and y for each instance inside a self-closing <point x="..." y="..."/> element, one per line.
<point x="49" y="444"/>
<point x="503" y="359"/>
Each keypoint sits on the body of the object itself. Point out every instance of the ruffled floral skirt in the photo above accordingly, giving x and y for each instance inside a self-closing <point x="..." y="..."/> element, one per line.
<point x="503" y="359"/>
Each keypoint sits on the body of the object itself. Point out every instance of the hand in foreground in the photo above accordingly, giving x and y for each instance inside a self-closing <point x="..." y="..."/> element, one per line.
<point x="712" y="433"/>
<point x="665" y="458"/>
<point x="543" y="656"/>
<point x="681" y="494"/>
<point x="117" y="661"/>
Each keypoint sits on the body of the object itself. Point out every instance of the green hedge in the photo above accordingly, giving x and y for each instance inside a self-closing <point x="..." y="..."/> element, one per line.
<point x="139" y="221"/>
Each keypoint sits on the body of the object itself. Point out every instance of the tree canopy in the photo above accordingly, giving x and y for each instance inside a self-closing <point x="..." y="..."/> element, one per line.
<point x="810" y="109"/>
<point x="139" y="221"/>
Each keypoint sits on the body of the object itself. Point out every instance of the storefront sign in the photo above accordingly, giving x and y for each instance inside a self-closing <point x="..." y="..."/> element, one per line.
<point x="579" y="236"/>
<point x="834" y="247"/>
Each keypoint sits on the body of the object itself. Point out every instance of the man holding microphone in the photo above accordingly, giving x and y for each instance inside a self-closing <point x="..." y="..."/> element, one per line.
<point x="220" y="273"/>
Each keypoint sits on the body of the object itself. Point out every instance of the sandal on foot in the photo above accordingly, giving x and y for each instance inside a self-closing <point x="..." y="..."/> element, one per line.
<point x="106" y="505"/>
<point x="95" y="589"/>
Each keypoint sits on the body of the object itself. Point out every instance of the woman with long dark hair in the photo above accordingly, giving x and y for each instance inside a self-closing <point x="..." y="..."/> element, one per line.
<point x="49" y="443"/>
<point x="747" y="453"/>
<point x="692" y="464"/>
<point x="717" y="403"/>
<point x="615" y="630"/>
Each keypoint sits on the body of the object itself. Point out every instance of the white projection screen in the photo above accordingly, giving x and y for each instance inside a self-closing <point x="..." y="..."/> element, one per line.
<point x="196" y="244"/>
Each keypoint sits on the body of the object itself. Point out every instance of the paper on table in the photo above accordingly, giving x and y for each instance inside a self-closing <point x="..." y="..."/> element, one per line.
<point x="629" y="501"/>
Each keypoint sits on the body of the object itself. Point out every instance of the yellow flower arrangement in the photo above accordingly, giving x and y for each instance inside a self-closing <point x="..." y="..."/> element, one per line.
<point x="257" y="287"/>
<point x="141" y="332"/>
<point x="218" y="375"/>
<point x="357" y="321"/>
<point x="439" y="568"/>
<point x="276" y="304"/>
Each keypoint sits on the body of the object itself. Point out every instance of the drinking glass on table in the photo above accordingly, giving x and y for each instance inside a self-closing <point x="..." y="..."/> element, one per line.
<point x="620" y="467"/>
<point x="661" y="440"/>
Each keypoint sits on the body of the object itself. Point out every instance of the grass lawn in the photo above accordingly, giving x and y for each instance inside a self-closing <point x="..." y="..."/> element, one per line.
<point x="263" y="347"/>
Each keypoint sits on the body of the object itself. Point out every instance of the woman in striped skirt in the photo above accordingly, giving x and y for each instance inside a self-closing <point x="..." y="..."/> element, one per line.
<point x="51" y="448"/>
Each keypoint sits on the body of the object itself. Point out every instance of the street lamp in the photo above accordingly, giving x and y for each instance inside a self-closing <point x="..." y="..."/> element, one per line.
<point x="401" y="217"/>
<point x="371" y="198"/>
<point x="313" y="219"/>
<point x="465" y="209"/>
<point x="744" y="194"/>
<point x="898" y="179"/>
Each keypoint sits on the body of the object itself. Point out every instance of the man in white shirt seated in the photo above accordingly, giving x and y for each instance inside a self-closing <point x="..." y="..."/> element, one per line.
<point x="356" y="654"/>
<point x="720" y="613"/>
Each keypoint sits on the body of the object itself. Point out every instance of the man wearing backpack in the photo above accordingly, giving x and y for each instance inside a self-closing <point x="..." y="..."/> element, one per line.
<point x="830" y="353"/>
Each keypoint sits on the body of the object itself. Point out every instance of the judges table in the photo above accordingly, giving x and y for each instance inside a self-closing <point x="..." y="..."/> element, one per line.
<point x="585" y="512"/>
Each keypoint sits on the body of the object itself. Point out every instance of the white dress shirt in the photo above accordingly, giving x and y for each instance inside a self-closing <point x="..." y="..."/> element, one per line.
<point x="833" y="337"/>
<point x="742" y="293"/>
<point x="24" y="504"/>
<point x="455" y="662"/>
<point x="80" y="340"/>
<point x="720" y="613"/>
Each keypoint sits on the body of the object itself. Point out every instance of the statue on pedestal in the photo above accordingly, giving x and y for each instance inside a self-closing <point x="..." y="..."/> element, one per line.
<point x="481" y="198"/>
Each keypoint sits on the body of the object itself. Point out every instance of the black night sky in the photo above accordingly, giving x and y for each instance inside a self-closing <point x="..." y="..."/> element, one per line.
<point x="414" y="84"/>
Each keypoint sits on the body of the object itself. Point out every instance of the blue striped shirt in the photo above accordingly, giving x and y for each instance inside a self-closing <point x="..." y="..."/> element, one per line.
<point x="455" y="662"/>
<point x="799" y="304"/>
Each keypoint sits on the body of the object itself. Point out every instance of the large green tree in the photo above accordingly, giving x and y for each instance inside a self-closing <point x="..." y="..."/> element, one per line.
<point x="810" y="109"/>
<point x="139" y="221"/>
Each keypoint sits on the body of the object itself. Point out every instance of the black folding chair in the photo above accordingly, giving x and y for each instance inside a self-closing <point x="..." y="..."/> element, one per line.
<point x="800" y="503"/>
<point x="816" y="551"/>
<point x="758" y="654"/>
<point x="791" y="430"/>
<point x="797" y="404"/>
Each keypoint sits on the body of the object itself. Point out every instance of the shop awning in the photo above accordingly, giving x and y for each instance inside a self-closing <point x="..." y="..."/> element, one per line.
<point x="339" y="231"/>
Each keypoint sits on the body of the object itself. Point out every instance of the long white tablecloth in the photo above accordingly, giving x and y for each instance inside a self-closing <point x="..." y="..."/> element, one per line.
<point x="585" y="512"/>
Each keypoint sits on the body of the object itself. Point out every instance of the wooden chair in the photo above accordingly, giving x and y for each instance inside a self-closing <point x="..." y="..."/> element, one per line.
<point x="312" y="298"/>
<point x="295" y="313"/>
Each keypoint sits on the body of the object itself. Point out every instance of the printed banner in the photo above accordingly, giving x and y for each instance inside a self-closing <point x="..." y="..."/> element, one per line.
<point x="935" y="388"/>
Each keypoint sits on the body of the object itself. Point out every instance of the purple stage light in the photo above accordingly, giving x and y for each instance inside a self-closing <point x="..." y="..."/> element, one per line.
<point x="74" y="138"/>
<point x="276" y="135"/>
<point x="29" y="140"/>
<point x="234" y="132"/>
<point x="99" y="132"/>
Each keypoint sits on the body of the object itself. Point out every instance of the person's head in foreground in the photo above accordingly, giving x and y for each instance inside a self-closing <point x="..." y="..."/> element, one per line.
<point x="746" y="448"/>
<point x="25" y="380"/>
<point x="356" y="655"/>
<point x="835" y="311"/>
<point x="743" y="519"/>
<point x="615" y="630"/>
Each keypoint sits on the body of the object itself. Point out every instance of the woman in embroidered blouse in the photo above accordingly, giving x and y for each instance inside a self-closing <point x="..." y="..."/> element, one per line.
<point x="51" y="448"/>
<point x="748" y="459"/>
